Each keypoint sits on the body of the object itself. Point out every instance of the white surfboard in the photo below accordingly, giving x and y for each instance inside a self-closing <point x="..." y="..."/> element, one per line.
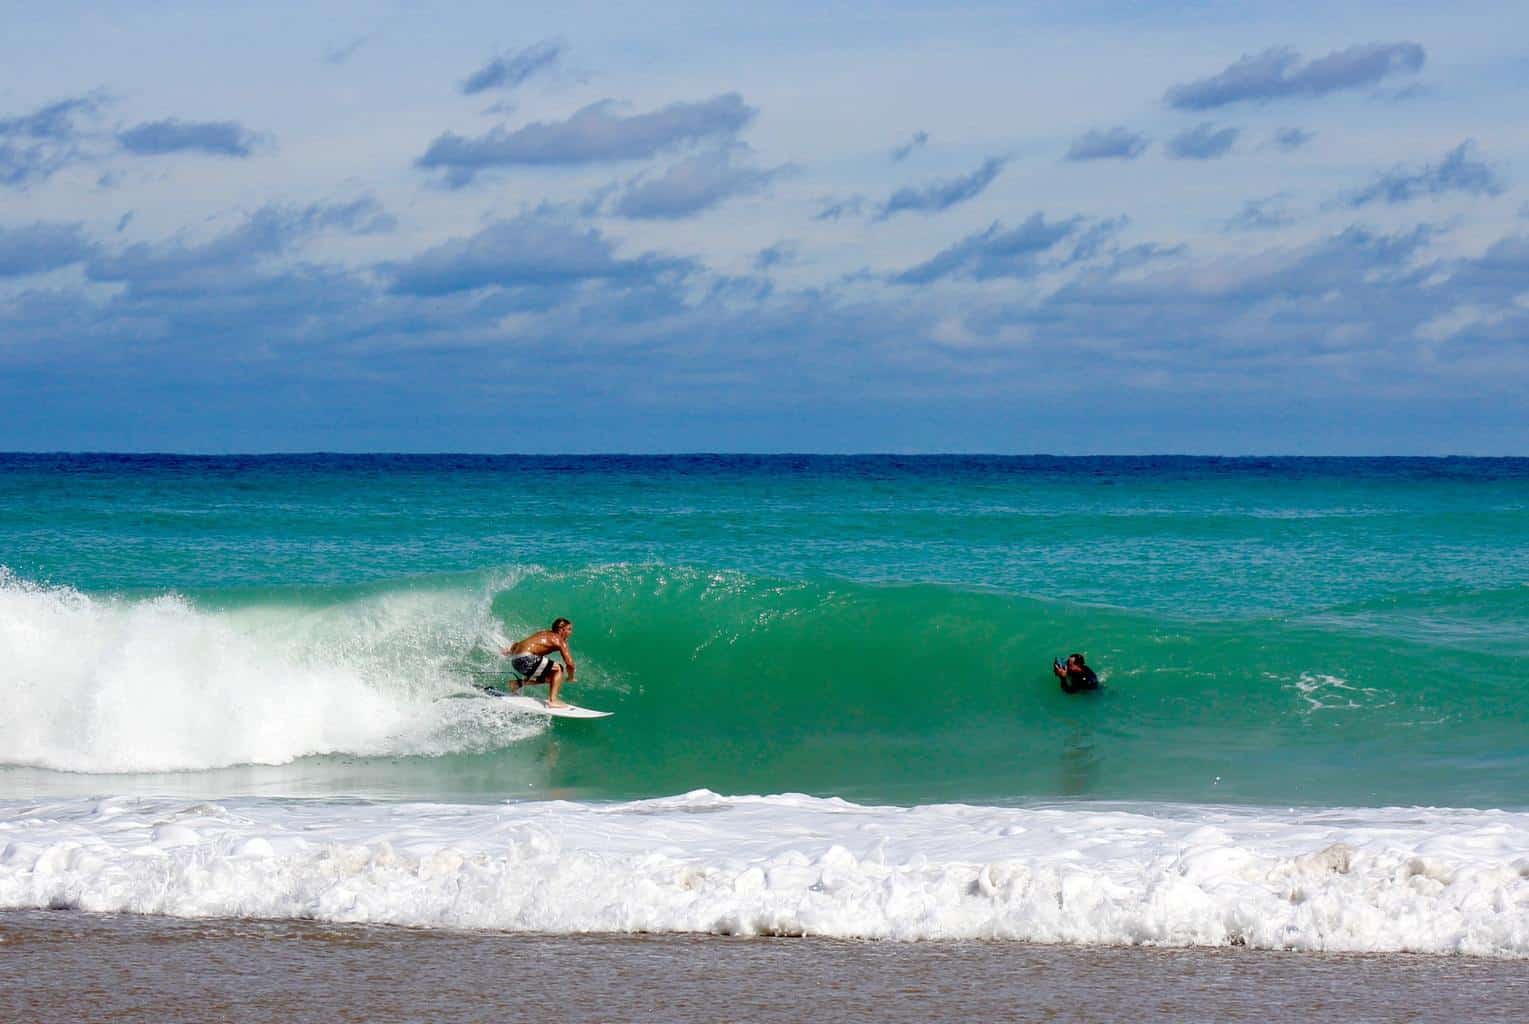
<point x="538" y="706"/>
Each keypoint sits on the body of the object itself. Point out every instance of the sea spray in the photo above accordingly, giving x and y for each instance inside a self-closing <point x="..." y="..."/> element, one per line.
<point x="99" y="684"/>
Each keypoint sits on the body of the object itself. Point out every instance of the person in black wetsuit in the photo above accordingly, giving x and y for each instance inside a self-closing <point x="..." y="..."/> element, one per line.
<point x="1075" y="675"/>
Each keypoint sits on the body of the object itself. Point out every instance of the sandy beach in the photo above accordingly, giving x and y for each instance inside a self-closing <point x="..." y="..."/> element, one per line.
<point x="58" y="966"/>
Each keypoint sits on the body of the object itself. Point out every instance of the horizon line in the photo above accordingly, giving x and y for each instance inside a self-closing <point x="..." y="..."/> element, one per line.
<point x="319" y="452"/>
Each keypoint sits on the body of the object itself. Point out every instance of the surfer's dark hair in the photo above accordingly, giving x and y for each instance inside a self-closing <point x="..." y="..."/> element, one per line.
<point x="558" y="624"/>
<point x="1076" y="657"/>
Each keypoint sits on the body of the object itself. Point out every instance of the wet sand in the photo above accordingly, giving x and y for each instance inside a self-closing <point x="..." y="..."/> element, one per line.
<point x="58" y="966"/>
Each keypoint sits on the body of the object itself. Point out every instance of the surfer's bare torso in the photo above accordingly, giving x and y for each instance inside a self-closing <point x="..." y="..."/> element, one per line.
<point x="544" y="643"/>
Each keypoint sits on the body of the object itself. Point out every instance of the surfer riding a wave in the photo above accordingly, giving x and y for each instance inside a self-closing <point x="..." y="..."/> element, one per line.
<point x="529" y="658"/>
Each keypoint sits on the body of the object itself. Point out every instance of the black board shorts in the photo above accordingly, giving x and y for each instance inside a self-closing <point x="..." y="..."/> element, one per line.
<point x="530" y="667"/>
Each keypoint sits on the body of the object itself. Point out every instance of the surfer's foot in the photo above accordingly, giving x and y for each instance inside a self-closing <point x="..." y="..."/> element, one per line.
<point x="557" y="704"/>
<point x="515" y="687"/>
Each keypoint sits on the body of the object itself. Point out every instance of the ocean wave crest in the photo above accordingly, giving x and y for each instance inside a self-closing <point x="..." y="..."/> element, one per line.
<point x="108" y="684"/>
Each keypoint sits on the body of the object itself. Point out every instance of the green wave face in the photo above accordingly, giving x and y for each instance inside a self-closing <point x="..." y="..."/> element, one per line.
<point x="928" y="692"/>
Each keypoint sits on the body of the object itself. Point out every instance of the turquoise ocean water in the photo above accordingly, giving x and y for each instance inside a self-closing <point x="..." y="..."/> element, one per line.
<point x="1291" y="632"/>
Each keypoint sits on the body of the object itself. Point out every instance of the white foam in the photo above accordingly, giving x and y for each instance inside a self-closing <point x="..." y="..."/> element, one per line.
<point x="93" y="684"/>
<point x="1434" y="881"/>
<point x="1324" y="692"/>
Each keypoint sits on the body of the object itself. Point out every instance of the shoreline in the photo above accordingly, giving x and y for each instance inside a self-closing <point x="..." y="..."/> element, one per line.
<point x="58" y="966"/>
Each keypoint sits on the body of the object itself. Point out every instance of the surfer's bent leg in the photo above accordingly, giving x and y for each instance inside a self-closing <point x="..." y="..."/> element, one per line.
<point x="530" y="669"/>
<point x="555" y="680"/>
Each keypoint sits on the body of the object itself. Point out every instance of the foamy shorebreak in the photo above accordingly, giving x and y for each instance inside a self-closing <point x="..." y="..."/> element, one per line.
<point x="1419" y="880"/>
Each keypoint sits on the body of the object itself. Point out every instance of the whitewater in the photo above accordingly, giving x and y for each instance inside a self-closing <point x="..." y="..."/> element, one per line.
<point x="1428" y="881"/>
<point x="157" y="685"/>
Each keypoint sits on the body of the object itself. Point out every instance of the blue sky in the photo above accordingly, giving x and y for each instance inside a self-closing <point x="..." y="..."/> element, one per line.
<point x="1057" y="227"/>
